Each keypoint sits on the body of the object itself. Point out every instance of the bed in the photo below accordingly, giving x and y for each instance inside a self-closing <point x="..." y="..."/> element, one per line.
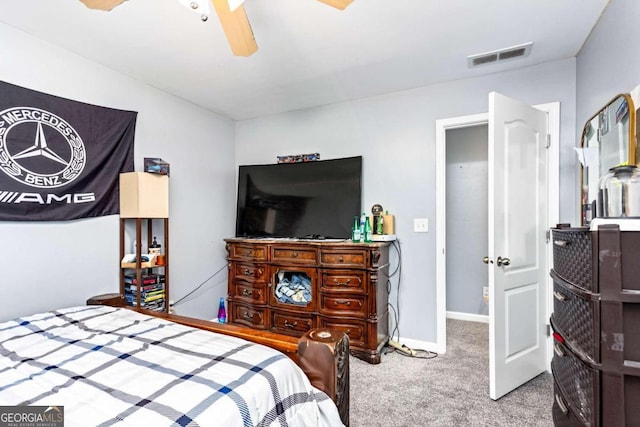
<point x="116" y="366"/>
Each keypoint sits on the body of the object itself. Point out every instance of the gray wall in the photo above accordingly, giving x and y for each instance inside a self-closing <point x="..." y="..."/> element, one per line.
<point x="467" y="218"/>
<point x="395" y="134"/>
<point x="608" y="63"/>
<point x="50" y="265"/>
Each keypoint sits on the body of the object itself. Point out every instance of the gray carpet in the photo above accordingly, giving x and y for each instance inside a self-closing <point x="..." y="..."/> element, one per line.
<point x="450" y="390"/>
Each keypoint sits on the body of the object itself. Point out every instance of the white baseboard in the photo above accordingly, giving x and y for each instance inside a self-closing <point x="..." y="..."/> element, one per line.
<point x="482" y="318"/>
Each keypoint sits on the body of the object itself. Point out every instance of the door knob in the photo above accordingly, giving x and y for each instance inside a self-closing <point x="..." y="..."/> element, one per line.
<point x="487" y="260"/>
<point x="502" y="261"/>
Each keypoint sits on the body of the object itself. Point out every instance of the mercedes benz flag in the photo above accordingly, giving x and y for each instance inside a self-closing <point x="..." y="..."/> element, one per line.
<point x="60" y="159"/>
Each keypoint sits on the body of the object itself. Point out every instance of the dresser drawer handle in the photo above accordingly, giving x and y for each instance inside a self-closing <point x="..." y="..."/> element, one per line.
<point x="290" y="325"/>
<point x="557" y="350"/>
<point x="248" y="316"/>
<point x="340" y="259"/>
<point x="342" y="302"/>
<point x="561" y="243"/>
<point x="247" y="272"/>
<point x="247" y="292"/>
<point x="561" y="404"/>
<point x="345" y="283"/>
<point x="560" y="297"/>
<point x="294" y="254"/>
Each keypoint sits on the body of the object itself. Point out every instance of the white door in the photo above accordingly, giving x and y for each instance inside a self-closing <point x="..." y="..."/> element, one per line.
<point x="518" y="223"/>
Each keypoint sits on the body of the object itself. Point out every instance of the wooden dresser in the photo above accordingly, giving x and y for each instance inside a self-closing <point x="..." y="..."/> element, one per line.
<point x="596" y="323"/>
<point x="290" y="286"/>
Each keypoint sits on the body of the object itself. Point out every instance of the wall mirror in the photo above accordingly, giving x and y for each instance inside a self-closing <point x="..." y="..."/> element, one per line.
<point x="608" y="140"/>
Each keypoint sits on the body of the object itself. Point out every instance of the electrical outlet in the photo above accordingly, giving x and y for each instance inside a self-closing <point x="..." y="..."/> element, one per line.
<point x="421" y="225"/>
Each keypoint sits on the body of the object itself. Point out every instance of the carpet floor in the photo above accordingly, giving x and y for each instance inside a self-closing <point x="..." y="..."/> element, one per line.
<point x="449" y="390"/>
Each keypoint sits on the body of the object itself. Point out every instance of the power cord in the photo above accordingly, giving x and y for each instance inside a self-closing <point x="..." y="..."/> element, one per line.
<point x="410" y="352"/>
<point x="199" y="286"/>
<point x="392" y="345"/>
<point x="398" y="270"/>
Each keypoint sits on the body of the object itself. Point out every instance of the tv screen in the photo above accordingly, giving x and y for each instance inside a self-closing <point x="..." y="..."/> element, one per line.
<point x="314" y="200"/>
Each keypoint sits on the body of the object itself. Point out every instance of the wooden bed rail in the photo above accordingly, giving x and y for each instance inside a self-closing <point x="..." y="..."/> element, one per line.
<point x="285" y="344"/>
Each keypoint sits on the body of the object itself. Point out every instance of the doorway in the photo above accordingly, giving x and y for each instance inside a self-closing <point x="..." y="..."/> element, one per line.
<point x="442" y="128"/>
<point x="467" y="209"/>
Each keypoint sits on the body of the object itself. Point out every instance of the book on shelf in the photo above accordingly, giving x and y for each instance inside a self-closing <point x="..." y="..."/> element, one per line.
<point x="147" y="279"/>
<point x="144" y="293"/>
<point x="144" y="288"/>
<point x="132" y="301"/>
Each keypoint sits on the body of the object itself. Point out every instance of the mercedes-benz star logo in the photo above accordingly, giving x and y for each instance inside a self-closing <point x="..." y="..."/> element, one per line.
<point x="33" y="174"/>
<point x="40" y="148"/>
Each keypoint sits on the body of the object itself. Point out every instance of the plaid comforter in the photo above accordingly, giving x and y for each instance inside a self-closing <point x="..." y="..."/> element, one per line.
<point x="109" y="366"/>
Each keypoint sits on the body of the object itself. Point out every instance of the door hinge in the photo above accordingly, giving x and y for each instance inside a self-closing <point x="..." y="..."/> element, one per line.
<point x="548" y="235"/>
<point x="548" y="330"/>
<point x="548" y="140"/>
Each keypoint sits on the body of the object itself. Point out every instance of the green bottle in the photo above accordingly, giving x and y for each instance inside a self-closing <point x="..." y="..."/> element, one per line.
<point x="367" y="231"/>
<point x="380" y="225"/>
<point x="355" y="230"/>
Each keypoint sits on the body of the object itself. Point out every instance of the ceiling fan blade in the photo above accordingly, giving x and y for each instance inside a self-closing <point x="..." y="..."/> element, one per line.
<point x="102" y="4"/>
<point x="338" y="4"/>
<point x="236" y="27"/>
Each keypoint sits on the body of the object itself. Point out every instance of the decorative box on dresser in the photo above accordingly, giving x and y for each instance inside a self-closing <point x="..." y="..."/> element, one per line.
<point x="346" y="288"/>
<point x="596" y="323"/>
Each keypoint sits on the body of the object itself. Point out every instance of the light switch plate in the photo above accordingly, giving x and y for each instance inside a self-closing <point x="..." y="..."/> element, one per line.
<point x="421" y="225"/>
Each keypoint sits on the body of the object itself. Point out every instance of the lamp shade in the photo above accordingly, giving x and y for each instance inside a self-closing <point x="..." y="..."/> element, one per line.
<point x="144" y="195"/>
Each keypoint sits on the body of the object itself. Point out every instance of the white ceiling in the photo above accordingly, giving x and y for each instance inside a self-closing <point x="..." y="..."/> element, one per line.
<point x="309" y="54"/>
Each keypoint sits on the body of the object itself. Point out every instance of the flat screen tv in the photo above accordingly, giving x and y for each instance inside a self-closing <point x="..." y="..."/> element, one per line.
<point x="313" y="200"/>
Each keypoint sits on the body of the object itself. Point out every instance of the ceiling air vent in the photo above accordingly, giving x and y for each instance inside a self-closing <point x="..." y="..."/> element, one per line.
<point x="499" y="55"/>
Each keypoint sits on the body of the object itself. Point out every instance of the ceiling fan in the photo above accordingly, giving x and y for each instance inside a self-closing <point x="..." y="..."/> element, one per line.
<point x="232" y="16"/>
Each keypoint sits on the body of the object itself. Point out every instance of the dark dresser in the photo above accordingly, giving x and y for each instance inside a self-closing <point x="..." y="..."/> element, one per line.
<point x="596" y="326"/>
<point x="346" y="282"/>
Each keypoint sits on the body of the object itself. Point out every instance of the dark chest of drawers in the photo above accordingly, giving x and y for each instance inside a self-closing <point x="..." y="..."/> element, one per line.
<point x="290" y="286"/>
<point x="596" y="323"/>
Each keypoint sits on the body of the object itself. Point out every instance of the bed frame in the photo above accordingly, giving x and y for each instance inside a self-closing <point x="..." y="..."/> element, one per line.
<point x="322" y="354"/>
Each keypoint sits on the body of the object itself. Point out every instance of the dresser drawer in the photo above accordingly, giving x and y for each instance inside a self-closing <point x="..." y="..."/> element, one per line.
<point x="578" y="383"/>
<point x="576" y="317"/>
<point x="249" y="292"/>
<point x="295" y="324"/>
<point x="573" y="252"/>
<point x="252" y="316"/>
<point x="561" y="412"/>
<point x="352" y="258"/>
<point x="294" y="255"/>
<point x="251" y="272"/>
<point x="343" y="305"/>
<point x="356" y="330"/>
<point x="247" y="252"/>
<point x="343" y="280"/>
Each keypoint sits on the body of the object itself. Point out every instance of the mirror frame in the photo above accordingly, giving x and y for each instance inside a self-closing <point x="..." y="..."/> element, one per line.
<point x="632" y="151"/>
